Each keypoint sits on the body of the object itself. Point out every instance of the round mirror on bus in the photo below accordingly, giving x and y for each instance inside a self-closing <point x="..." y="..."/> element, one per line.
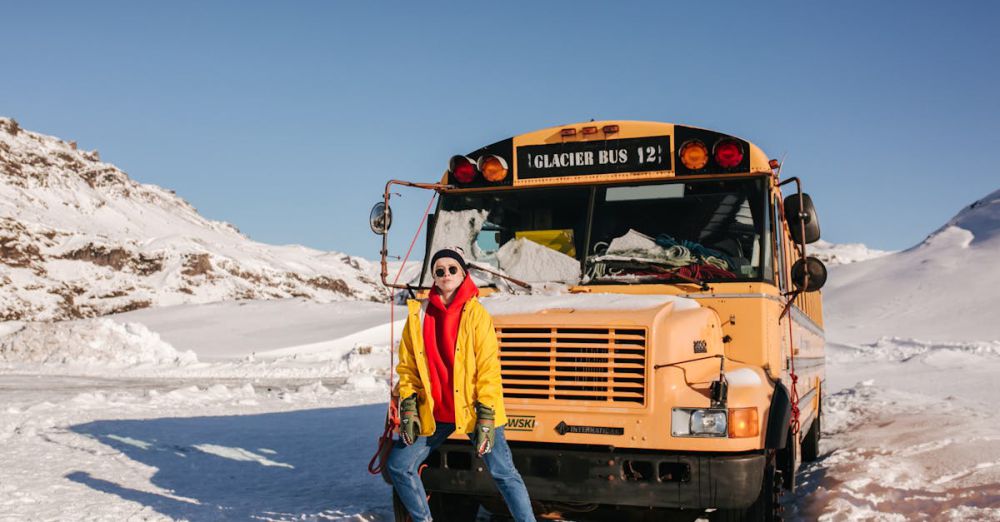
<point x="817" y="274"/>
<point x="801" y="215"/>
<point x="380" y="218"/>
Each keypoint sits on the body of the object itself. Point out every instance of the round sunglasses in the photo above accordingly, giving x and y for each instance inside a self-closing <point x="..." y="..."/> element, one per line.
<point x="439" y="272"/>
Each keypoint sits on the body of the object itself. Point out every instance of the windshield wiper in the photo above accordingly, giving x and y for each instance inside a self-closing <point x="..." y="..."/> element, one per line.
<point x="703" y="286"/>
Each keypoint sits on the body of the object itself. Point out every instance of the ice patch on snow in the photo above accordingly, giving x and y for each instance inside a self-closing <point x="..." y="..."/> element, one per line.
<point x="131" y="442"/>
<point x="239" y="454"/>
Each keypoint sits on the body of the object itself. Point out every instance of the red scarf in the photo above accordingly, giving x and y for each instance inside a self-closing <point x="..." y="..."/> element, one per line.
<point x="440" y="334"/>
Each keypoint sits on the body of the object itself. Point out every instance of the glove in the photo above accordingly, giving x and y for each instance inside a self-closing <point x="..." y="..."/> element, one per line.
<point x="485" y="430"/>
<point x="409" y="421"/>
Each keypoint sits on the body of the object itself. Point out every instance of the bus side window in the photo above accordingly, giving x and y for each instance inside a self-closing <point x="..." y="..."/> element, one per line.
<point x="779" y="245"/>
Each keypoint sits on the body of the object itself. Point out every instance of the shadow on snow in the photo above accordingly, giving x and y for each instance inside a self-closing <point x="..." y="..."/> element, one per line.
<point x="310" y="463"/>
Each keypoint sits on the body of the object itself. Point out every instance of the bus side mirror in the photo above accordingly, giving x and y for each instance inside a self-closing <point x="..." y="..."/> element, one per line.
<point x="817" y="274"/>
<point x="380" y="218"/>
<point x="797" y="215"/>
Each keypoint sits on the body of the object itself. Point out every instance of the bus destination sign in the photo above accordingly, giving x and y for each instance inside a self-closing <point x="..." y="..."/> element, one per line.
<point x="583" y="158"/>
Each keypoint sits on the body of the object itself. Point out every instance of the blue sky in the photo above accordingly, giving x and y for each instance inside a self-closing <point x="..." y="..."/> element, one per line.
<point x="287" y="118"/>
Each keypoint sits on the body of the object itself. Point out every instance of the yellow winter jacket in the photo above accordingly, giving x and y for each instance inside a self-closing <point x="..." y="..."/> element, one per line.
<point x="476" y="371"/>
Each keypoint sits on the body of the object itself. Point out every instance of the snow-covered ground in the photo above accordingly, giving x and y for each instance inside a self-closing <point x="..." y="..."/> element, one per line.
<point x="261" y="410"/>
<point x="269" y="410"/>
<point x="912" y="359"/>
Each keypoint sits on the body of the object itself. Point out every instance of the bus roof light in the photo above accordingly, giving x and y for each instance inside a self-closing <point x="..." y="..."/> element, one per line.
<point x="694" y="154"/>
<point x="568" y="132"/>
<point x="728" y="153"/>
<point x="774" y="164"/>
<point x="462" y="169"/>
<point x="590" y="130"/>
<point x="610" y="129"/>
<point x="493" y="167"/>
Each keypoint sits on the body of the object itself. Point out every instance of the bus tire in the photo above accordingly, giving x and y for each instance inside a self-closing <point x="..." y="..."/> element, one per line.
<point x="399" y="512"/>
<point x="767" y="507"/>
<point x="447" y="507"/>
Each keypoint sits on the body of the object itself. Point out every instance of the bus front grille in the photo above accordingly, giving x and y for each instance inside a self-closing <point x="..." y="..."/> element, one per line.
<point x="574" y="364"/>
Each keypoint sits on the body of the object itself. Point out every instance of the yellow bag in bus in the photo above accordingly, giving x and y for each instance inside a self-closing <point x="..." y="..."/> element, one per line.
<point x="560" y="240"/>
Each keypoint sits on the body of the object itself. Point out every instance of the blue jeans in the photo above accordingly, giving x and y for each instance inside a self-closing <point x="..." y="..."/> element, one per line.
<point x="405" y="460"/>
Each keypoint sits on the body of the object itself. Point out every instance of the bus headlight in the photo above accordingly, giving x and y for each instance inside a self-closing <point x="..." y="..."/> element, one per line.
<point x="692" y="422"/>
<point x="714" y="422"/>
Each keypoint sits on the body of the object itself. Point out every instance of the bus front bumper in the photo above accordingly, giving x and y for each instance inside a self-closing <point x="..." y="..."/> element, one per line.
<point x="607" y="476"/>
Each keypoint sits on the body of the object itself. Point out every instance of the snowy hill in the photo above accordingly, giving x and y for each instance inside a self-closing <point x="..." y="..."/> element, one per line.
<point x="79" y="238"/>
<point x="833" y="254"/>
<point x="947" y="288"/>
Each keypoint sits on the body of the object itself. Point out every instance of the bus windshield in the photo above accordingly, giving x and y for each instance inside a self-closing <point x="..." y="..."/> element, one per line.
<point x="648" y="232"/>
<point x="707" y="230"/>
<point x="532" y="235"/>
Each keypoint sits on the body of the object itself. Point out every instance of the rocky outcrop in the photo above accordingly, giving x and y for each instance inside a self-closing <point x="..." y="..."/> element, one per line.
<point x="80" y="238"/>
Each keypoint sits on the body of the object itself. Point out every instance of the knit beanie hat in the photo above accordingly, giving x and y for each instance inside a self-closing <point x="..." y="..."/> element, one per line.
<point x="449" y="253"/>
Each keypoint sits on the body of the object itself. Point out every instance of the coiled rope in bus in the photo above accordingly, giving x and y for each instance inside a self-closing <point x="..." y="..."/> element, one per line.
<point x="377" y="463"/>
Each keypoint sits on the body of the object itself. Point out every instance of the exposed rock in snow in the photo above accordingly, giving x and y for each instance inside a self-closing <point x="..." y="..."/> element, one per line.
<point x="79" y="238"/>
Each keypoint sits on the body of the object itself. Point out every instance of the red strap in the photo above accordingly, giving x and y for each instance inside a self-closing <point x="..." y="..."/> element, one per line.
<point x="795" y="379"/>
<point x="392" y="414"/>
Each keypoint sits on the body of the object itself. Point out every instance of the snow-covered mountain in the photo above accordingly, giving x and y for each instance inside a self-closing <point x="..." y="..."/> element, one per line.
<point x="947" y="288"/>
<point x="79" y="238"/>
<point x="833" y="254"/>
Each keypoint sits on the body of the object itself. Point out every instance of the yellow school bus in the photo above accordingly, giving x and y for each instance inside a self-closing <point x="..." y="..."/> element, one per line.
<point x="660" y="328"/>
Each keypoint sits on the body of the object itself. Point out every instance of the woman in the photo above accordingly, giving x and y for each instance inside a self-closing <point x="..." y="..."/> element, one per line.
<point x="449" y="378"/>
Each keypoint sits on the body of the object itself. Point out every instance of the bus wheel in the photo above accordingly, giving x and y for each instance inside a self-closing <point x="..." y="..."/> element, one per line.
<point x="766" y="508"/>
<point x="399" y="512"/>
<point x="453" y="508"/>
<point x="810" y="443"/>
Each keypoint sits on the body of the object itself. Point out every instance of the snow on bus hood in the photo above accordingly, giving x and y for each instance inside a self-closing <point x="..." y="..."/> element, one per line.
<point x="506" y="304"/>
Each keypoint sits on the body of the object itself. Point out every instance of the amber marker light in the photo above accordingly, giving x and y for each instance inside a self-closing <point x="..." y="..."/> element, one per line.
<point x="494" y="168"/>
<point x="728" y="153"/>
<point x="568" y="132"/>
<point x="694" y="154"/>
<point x="743" y="423"/>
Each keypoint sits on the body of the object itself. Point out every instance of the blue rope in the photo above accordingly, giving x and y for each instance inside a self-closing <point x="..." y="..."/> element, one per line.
<point x="697" y="249"/>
